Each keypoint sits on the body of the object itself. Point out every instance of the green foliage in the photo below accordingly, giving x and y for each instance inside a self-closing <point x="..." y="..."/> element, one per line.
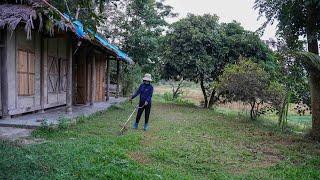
<point x="299" y="18"/>
<point x="63" y="123"/>
<point x="89" y="12"/>
<point x="131" y="79"/>
<point x="168" y="97"/>
<point x="292" y="17"/>
<point x="249" y="82"/>
<point x="310" y="60"/>
<point x="46" y="126"/>
<point x="294" y="76"/>
<point x="137" y="26"/>
<point x="197" y="48"/>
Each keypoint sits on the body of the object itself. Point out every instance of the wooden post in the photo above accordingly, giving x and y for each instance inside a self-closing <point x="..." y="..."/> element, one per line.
<point x="93" y="83"/>
<point x="4" y="76"/>
<point x="108" y="79"/>
<point x="69" y="75"/>
<point x="43" y="54"/>
<point x="118" y="78"/>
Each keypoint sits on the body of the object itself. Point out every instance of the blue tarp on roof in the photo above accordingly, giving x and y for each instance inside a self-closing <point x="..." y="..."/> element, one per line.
<point x="81" y="33"/>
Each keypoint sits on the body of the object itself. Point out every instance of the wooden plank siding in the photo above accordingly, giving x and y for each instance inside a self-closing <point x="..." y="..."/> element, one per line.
<point x="56" y="72"/>
<point x="85" y="83"/>
<point x="100" y="78"/>
<point x="2" y="47"/>
<point x="26" y="73"/>
<point x="81" y="78"/>
<point x="34" y="73"/>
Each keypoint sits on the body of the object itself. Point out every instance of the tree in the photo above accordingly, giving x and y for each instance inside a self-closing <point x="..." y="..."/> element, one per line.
<point x="88" y="11"/>
<point x="197" y="48"/>
<point x="136" y="26"/>
<point x="248" y="82"/>
<point x="299" y="18"/>
<point x="192" y="49"/>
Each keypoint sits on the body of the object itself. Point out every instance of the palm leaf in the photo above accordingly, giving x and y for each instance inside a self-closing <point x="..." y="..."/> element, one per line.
<point x="309" y="60"/>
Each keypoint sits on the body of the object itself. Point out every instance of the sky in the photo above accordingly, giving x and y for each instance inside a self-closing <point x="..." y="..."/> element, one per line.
<point x="228" y="10"/>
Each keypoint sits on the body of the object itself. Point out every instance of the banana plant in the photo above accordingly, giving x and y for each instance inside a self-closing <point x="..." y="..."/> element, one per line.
<point x="310" y="60"/>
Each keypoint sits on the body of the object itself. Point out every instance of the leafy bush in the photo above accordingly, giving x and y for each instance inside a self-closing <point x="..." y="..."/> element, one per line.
<point x="168" y="97"/>
<point x="131" y="78"/>
<point x="63" y="123"/>
<point x="45" y="125"/>
<point x="250" y="83"/>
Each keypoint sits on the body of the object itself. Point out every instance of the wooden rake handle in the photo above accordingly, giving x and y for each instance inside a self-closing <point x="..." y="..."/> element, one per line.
<point x="124" y="126"/>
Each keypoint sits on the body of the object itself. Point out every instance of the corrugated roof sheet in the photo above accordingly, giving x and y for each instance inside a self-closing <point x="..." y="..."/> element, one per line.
<point x="83" y="33"/>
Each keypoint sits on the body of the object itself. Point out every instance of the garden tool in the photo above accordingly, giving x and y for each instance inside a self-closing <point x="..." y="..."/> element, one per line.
<point x="125" y="125"/>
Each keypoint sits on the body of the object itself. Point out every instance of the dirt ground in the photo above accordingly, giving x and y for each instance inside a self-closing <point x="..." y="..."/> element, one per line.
<point x="12" y="134"/>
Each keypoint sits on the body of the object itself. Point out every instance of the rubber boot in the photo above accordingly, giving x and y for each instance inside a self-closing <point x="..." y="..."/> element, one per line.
<point x="135" y="126"/>
<point x="146" y="126"/>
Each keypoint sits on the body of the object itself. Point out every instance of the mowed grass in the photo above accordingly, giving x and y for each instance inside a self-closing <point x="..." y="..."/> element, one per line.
<point x="184" y="142"/>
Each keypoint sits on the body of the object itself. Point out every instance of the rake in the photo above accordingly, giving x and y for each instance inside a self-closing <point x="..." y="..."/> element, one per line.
<point x="125" y="125"/>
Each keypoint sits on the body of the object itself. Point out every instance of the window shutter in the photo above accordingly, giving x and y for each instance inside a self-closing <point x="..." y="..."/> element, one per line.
<point x="31" y="73"/>
<point x="23" y="73"/>
<point x="26" y="73"/>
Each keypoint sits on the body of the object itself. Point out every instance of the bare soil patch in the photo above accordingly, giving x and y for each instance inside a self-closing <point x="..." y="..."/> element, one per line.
<point x="139" y="157"/>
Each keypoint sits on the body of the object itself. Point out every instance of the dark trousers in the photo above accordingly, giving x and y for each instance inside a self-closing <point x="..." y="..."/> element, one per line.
<point x="147" y="110"/>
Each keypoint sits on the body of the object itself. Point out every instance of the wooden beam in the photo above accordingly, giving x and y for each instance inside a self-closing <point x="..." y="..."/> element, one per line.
<point x="93" y="83"/>
<point x="108" y="79"/>
<point x="118" y="79"/>
<point x="43" y="54"/>
<point x="69" y="75"/>
<point x="4" y="76"/>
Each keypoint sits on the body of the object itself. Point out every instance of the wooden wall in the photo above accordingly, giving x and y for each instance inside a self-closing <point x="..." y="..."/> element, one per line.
<point x="84" y="62"/>
<point x="56" y="70"/>
<point x="2" y="45"/>
<point x="36" y="73"/>
<point x="100" y="78"/>
<point x="81" y="96"/>
<point x="23" y="71"/>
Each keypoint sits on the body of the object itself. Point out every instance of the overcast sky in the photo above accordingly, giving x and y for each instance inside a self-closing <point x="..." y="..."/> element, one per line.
<point x="228" y="10"/>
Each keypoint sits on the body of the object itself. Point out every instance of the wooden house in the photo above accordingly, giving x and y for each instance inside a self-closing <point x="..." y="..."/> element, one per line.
<point x="41" y="70"/>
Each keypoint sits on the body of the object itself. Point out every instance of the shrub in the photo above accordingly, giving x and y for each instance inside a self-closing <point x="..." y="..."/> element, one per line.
<point x="250" y="83"/>
<point x="63" y="123"/>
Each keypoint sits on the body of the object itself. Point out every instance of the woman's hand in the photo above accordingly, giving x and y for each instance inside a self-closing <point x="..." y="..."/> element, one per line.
<point x="146" y="103"/>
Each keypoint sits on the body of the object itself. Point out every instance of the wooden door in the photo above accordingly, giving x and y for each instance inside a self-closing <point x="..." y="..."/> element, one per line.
<point x="81" y="77"/>
<point x="100" y="79"/>
<point x="53" y="75"/>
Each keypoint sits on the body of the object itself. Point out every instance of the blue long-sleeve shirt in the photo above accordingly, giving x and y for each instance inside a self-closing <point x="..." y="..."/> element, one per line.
<point x="145" y="91"/>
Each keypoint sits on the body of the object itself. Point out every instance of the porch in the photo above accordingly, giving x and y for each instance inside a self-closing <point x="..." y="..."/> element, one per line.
<point x="52" y="116"/>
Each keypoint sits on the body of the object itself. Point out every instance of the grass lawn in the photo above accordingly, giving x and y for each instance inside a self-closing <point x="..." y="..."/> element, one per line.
<point x="184" y="142"/>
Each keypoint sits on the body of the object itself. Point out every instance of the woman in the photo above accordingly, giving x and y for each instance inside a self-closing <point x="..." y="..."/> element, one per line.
<point x="145" y="91"/>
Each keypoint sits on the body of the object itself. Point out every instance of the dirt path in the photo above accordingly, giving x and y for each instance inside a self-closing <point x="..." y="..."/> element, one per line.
<point x="12" y="134"/>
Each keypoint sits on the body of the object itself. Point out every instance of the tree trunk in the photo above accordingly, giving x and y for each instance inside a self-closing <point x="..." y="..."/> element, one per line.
<point x="213" y="99"/>
<point x="203" y="89"/>
<point x="314" y="74"/>
<point x="315" y="104"/>
<point x="252" y="114"/>
<point x="177" y="92"/>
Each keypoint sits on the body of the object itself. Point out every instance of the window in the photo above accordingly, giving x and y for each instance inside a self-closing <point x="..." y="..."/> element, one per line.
<point x="26" y="73"/>
<point x="57" y="75"/>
